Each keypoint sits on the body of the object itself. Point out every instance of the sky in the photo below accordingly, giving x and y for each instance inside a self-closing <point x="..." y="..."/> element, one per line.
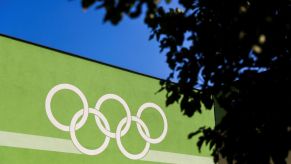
<point x="63" y="25"/>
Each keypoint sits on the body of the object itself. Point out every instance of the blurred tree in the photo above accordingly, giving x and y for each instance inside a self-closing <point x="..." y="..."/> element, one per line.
<point x="234" y="53"/>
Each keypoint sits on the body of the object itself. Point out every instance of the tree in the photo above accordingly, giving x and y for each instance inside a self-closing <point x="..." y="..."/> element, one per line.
<point x="235" y="53"/>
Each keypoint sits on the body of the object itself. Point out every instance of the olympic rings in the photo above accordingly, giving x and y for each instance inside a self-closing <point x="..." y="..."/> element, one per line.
<point x="122" y="128"/>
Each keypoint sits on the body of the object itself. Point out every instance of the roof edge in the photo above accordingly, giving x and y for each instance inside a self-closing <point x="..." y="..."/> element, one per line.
<point x="78" y="56"/>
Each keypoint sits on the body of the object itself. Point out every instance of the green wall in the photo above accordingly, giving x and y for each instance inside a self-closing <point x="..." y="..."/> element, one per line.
<point x="28" y="72"/>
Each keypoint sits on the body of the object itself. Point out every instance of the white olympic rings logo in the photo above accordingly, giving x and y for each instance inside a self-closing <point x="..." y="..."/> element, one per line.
<point x="120" y="131"/>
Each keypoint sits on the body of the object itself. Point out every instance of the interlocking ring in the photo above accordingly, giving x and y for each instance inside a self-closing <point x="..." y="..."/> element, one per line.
<point x="50" y="115"/>
<point x="145" y="136"/>
<point x="118" y="140"/>
<point x="75" y="140"/>
<point x="128" y="115"/>
<point x="99" y="118"/>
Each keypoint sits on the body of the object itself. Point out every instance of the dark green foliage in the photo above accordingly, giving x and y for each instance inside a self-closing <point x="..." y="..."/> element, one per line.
<point x="236" y="52"/>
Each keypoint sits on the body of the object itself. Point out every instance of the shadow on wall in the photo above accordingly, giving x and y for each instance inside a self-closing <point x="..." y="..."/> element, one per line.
<point x="219" y="113"/>
<point x="288" y="159"/>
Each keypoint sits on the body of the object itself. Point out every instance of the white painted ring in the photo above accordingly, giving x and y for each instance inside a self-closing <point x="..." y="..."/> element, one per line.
<point x="125" y="106"/>
<point x="144" y="136"/>
<point x="50" y="115"/>
<point x="75" y="140"/>
<point x="118" y="139"/>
